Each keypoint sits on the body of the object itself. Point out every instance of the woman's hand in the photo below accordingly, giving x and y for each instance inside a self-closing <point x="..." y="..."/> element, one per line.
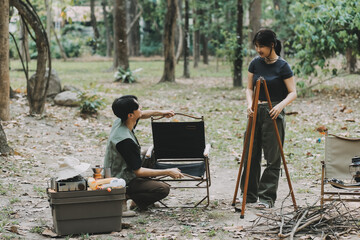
<point x="249" y="111"/>
<point x="276" y="110"/>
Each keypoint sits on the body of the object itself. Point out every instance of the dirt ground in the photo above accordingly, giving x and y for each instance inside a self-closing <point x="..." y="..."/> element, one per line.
<point x="42" y="140"/>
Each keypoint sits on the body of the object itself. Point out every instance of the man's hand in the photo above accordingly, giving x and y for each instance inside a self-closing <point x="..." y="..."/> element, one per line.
<point x="175" y="173"/>
<point x="167" y="113"/>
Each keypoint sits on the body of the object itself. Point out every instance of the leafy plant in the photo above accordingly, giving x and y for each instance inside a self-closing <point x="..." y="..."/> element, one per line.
<point x="90" y="104"/>
<point x="125" y="76"/>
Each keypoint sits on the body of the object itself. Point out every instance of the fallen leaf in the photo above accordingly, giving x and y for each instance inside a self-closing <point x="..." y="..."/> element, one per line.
<point x="322" y="129"/>
<point x="49" y="232"/>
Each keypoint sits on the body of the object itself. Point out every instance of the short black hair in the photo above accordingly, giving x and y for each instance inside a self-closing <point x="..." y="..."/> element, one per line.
<point x="124" y="105"/>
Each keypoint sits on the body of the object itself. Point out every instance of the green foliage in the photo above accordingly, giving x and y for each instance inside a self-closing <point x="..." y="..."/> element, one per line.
<point x="125" y="76"/>
<point x="90" y="103"/>
<point x="324" y="28"/>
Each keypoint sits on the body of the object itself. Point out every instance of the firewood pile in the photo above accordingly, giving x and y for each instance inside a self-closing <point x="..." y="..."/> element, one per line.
<point x="335" y="219"/>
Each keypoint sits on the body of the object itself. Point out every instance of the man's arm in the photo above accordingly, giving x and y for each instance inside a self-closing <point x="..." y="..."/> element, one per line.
<point x="162" y="113"/>
<point x="148" y="172"/>
<point x="131" y="154"/>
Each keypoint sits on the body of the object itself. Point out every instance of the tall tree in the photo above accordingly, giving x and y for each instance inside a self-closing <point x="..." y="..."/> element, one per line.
<point x="186" y="41"/>
<point x="48" y="5"/>
<point x="180" y="36"/>
<point x="254" y="18"/>
<point x="107" y="29"/>
<point x="133" y="28"/>
<point x="238" y="52"/>
<point x="4" y="61"/>
<point x="121" y="58"/>
<point x="169" y="42"/>
<point x="24" y="43"/>
<point x="196" y="37"/>
<point x="4" y="147"/>
<point x="36" y="90"/>
<point x="93" y="19"/>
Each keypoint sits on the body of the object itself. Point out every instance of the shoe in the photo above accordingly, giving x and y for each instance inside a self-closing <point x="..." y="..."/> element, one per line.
<point x="239" y="201"/>
<point x="262" y="205"/>
<point x="126" y="212"/>
<point x="129" y="213"/>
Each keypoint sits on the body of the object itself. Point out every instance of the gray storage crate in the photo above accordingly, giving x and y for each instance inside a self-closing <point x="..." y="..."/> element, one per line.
<point x="79" y="212"/>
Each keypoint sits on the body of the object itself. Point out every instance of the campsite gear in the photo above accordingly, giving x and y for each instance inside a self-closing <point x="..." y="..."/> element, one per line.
<point x="340" y="168"/>
<point x="107" y="172"/>
<point x="354" y="168"/>
<point x="251" y="124"/>
<point x="70" y="167"/>
<point x="115" y="183"/>
<point x="182" y="145"/>
<point x="97" y="172"/>
<point x="77" y="183"/>
<point x="95" y="184"/>
<point x="86" y="211"/>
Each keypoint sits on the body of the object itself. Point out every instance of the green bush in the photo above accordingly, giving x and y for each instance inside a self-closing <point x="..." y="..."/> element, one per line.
<point x="90" y="104"/>
<point x="125" y="76"/>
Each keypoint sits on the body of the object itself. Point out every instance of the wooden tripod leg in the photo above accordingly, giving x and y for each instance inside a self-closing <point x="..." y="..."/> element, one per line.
<point x="280" y="146"/>
<point x="246" y="140"/>
<point x="255" y="104"/>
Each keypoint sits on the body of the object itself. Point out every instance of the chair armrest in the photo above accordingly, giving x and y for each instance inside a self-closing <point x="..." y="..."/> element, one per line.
<point x="149" y="152"/>
<point x="207" y="150"/>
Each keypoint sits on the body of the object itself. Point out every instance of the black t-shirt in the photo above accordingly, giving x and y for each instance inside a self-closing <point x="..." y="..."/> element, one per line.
<point x="130" y="152"/>
<point x="274" y="74"/>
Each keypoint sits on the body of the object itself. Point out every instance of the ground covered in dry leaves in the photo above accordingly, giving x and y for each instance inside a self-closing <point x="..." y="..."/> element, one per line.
<point x="40" y="141"/>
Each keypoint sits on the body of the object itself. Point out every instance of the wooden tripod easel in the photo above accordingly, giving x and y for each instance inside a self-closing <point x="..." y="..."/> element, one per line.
<point x="252" y="123"/>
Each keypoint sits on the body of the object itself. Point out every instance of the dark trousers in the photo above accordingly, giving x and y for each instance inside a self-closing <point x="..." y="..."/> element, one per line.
<point x="145" y="191"/>
<point x="264" y="187"/>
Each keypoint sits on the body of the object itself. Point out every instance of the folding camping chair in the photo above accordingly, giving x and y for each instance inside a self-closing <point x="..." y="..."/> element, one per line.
<point x="339" y="152"/>
<point x="182" y="145"/>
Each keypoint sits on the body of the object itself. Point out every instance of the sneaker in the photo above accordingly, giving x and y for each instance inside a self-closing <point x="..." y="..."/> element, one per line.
<point x="262" y="205"/>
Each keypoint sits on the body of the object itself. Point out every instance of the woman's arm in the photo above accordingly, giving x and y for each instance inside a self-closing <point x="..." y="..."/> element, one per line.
<point x="291" y="87"/>
<point x="249" y="94"/>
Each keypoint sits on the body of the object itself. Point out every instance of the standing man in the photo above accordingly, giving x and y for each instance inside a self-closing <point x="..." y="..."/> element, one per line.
<point x="123" y="154"/>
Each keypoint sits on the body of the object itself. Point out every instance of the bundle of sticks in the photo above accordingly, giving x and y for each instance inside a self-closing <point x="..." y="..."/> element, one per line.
<point x="330" y="222"/>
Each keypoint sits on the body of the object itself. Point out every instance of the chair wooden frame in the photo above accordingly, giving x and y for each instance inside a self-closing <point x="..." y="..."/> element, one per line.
<point x="334" y="149"/>
<point x="203" y="181"/>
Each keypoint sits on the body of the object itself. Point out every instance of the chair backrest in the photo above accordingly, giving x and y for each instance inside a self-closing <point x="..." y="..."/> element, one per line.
<point x="338" y="154"/>
<point x="178" y="139"/>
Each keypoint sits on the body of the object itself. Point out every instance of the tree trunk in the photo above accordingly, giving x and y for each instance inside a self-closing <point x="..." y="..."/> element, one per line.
<point x="239" y="58"/>
<point x="4" y="147"/>
<point x="134" y="33"/>
<point x="181" y="35"/>
<point x="120" y="39"/>
<point x="24" y="42"/>
<point x="93" y="19"/>
<point x="169" y="35"/>
<point x="205" y="52"/>
<point x="254" y="19"/>
<point x="350" y="60"/>
<point x="36" y="91"/>
<point x="48" y="5"/>
<point x="186" y="41"/>
<point x="196" y="39"/>
<point x="62" y="51"/>
<point x="203" y="38"/>
<point x="4" y="61"/>
<point x="107" y="29"/>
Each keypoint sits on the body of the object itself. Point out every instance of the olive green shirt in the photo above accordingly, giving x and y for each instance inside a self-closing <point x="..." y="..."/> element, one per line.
<point x="113" y="159"/>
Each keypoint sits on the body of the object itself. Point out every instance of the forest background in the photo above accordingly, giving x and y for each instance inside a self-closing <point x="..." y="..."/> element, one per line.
<point x="109" y="48"/>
